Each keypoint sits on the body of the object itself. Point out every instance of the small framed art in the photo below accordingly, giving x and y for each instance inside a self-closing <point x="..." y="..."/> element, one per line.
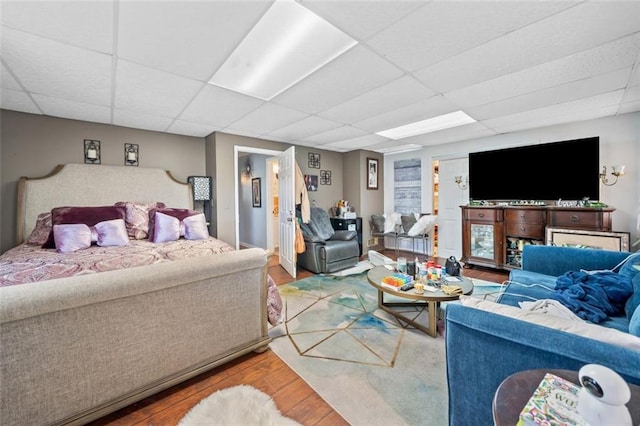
<point x="256" y="192"/>
<point x="372" y="173"/>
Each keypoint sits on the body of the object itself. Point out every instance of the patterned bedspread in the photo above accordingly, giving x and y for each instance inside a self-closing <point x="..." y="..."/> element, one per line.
<point x="30" y="263"/>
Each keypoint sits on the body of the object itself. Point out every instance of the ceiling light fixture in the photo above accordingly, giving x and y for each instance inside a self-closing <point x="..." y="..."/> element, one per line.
<point x="285" y="46"/>
<point x="440" y="122"/>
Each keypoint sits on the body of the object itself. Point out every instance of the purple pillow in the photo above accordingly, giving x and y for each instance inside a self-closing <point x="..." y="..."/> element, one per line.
<point x="195" y="227"/>
<point x="111" y="233"/>
<point x="72" y="237"/>
<point x="85" y="215"/>
<point x="170" y="228"/>
<point x="179" y="214"/>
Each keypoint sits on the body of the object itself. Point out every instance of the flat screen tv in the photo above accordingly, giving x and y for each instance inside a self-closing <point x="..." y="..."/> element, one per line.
<point x="565" y="170"/>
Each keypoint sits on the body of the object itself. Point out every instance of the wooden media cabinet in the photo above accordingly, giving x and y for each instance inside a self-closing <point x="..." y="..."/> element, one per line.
<point x="494" y="236"/>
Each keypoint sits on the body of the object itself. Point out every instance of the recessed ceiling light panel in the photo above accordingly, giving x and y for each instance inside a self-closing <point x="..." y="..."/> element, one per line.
<point x="440" y="122"/>
<point x="286" y="45"/>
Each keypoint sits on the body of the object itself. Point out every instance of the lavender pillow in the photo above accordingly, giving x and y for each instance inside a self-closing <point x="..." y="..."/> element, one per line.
<point x="179" y="214"/>
<point x="111" y="233"/>
<point x="41" y="231"/>
<point x="137" y="217"/>
<point x="166" y="228"/>
<point x="71" y="237"/>
<point x="195" y="227"/>
<point x="84" y="215"/>
<point x="169" y="228"/>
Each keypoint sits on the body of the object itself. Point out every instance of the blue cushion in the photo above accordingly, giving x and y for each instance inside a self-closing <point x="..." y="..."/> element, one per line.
<point x="632" y="304"/>
<point x="631" y="266"/>
<point x="527" y="286"/>
<point x="634" y="323"/>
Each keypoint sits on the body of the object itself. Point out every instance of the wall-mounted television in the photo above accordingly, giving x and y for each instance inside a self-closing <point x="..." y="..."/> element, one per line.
<point x="565" y="170"/>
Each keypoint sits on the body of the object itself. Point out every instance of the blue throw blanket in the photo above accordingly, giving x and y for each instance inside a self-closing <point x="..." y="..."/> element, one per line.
<point x="593" y="297"/>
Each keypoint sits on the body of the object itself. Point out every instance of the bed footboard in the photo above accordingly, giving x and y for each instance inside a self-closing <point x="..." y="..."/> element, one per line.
<point x="78" y="348"/>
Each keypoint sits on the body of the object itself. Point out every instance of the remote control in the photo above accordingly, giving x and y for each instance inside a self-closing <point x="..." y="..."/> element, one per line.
<point x="407" y="286"/>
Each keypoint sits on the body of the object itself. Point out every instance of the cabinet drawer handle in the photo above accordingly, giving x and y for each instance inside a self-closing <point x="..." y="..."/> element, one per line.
<point x="480" y="214"/>
<point x="522" y="228"/>
<point x="575" y="218"/>
<point x="522" y="216"/>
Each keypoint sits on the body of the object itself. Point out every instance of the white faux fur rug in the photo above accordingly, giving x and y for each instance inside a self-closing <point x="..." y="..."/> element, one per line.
<point x="239" y="405"/>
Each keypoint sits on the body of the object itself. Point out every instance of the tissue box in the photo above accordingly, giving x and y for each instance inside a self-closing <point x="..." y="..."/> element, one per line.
<point x="350" y="215"/>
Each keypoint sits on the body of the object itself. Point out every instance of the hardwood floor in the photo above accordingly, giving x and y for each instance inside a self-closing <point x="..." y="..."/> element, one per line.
<point x="265" y="371"/>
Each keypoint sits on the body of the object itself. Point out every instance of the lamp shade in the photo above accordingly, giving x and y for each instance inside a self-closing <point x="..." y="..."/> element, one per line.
<point x="201" y="187"/>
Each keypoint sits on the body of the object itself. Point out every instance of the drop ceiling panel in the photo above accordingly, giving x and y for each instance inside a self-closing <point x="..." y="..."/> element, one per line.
<point x="328" y="86"/>
<point x="535" y="44"/>
<point x="87" y="24"/>
<point x="191" y="39"/>
<point x="181" y="127"/>
<point x="58" y="70"/>
<point x="304" y="128"/>
<point x="147" y="90"/>
<point x="592" y="62"/>
<point x="56" y="107"/>
<point x="340" y="133"/>
<point x="358" y="21"/>
<point x="17" y="101"/>
<point x="432" y="107"/>
<point x="396" y="94"/>
<point x="266" y="118"/>
<point x="7" y="81"/>
<point x="632" y="94"/>
<point x="219" y="107"/>
<point x="140" y="121"/>
<point x="444" y="29"/>
<point x="360" y="142"/>
<point x="556" y="114"/>
<point x="554" y="95"/>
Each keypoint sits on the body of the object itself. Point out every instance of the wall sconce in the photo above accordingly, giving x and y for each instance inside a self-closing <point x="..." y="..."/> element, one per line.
<point x="247" y="170"/>
<point x="616" y="171"/>
<point x="91" y="151"/>
<point x="462" y="184"/>
<point x="131" y="154"/>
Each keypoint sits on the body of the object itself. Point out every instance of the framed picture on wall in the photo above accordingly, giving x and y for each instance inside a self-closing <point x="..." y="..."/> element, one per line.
<point x="256" y="192"/>
<point x="372" y="173"/>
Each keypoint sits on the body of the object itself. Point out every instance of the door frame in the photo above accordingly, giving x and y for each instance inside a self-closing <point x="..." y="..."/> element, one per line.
<point x="236" y="181"/>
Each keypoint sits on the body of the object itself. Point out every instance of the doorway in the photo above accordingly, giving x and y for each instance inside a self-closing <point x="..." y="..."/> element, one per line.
<point x="254" y="220"/>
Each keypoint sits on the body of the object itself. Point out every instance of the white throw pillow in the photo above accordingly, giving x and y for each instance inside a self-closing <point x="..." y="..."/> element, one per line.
<point x="584" y="329"/>
<point x="391" y="221"/>
<point x="424" y="225"/>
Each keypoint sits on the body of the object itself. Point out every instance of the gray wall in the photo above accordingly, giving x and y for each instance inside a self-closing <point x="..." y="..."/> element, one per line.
<point x="32" y="145"/>
<point x="326" y="196"/>
<point x="366" y="201"/>
<point x="252" y="218"/>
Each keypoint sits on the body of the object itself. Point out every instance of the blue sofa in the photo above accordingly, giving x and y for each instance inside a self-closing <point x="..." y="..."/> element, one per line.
<point x="484" y="348"/>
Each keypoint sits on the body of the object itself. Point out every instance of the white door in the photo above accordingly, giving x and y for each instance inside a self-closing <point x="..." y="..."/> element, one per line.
<point x="450" y="198"/>
<point x="287" y="207"/>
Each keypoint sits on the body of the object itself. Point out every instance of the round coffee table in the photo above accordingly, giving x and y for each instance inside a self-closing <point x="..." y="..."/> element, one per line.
<point x="429" y="300"/>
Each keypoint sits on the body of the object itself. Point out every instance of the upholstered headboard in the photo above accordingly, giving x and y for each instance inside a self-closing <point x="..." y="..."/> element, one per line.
<point x="95" y="185"/>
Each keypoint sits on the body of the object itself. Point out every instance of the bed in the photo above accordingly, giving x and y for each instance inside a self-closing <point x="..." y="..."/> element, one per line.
<point x="121" y="323"/>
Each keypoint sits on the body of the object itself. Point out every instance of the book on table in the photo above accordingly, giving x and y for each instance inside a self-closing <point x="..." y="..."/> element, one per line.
<point x="553" y="403"/>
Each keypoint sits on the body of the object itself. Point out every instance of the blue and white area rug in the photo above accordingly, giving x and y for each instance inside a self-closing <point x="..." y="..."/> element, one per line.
<point x="367" y="365"/>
